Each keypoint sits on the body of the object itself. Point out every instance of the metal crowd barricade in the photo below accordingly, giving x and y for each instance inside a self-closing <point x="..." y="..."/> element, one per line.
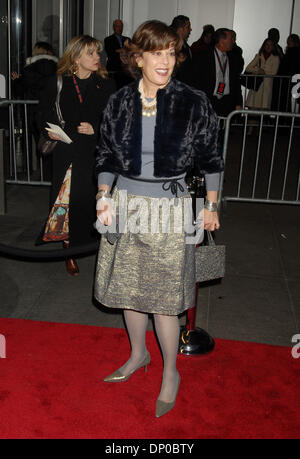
<point x="280" y="87"/>
<point x="264" y="164"/>
<point x="2" y="177"/>
<point x="274" y="140"/>
<point x="22" y="164"/>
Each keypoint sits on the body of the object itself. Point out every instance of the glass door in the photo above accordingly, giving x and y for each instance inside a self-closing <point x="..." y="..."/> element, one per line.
<point x="3" y="38"/>
<point x="56" y="22"/>
<point x="47" y="23"/>
<point x="24" y="23"/>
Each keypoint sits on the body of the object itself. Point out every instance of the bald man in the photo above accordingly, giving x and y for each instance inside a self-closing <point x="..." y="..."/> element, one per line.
<point x="113" y="43"/>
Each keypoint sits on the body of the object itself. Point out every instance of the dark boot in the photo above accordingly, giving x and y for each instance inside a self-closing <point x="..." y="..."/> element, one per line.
<point x="71" y="264"/>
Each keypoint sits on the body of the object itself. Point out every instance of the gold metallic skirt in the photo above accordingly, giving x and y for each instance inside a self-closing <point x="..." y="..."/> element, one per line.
<point x="146" y="270"/>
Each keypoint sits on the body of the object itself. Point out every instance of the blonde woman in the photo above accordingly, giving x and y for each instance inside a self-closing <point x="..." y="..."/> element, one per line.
<point x="85" y="92"/>
<point x="264" y="63"/>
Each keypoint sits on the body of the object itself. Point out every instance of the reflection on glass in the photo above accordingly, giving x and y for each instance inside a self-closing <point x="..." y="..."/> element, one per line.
<point x="47" y="22"/>
<point x="17" y="36"/>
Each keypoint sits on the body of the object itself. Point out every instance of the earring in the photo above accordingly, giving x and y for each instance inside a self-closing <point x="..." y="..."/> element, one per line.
<point x="140" y="64"/>
<point x="75" y="68"/>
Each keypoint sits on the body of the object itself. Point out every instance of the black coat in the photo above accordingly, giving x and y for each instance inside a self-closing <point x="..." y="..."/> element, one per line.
<point x="35" y="74"/>
<point x="31" y="84"/>
<point x="205" y="79"/>
<point x="281" y="93"/>
<point x="185" y="135"/>
<point x="111" y="44"/>
<point x="185" y="70"/>
<point x="237" y="54"/>
<point x="290" y="64"/>
<point x="81" y="153"/>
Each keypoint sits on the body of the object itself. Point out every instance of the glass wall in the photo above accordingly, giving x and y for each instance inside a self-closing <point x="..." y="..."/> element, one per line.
<point x="56" y="22"/>
<point x="46" y="22"/>
<point x="20" y="39"/>
<point x="3" y="37"/>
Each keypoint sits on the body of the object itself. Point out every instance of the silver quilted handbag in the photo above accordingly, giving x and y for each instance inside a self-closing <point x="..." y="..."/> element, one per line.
<point x="210" y="260"/>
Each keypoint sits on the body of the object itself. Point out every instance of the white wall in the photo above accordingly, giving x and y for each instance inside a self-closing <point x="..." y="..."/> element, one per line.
<point x="135" y="12"/>
<point x="252" y="20"/>
<point x="220" y="13"/>
<point x="296" y="21"/>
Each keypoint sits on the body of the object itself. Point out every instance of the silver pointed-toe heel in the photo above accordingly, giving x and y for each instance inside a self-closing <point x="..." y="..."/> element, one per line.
<point x="164" y="407"/>
<point x="118" y="377"/>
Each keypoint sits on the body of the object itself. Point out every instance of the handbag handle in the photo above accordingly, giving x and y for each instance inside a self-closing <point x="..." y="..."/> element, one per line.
<point x="210" y="238"/>
<point x="57" y="106"/>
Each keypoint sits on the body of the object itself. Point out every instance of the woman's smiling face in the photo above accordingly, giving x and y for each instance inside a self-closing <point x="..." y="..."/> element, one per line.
<point x="157" y="66"/>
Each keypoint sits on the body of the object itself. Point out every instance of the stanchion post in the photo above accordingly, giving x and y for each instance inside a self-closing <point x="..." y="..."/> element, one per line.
<point x="191" y="315"/>
<point x="2" y="178"/>
<point x="195" y="341"/>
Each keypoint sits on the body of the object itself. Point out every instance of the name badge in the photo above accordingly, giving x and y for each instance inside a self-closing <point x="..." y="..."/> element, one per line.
<point x="221" y="89"/>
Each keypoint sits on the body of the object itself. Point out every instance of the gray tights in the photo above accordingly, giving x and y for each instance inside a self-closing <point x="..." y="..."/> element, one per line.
<point x="167" y="330"/>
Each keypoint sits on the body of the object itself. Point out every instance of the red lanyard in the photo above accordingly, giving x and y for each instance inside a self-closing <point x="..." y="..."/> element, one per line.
<point x="223" y="69"/>
<point x="77" y="90"/>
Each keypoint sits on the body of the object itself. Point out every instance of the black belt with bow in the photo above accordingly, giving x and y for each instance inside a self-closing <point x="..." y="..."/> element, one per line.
<point x="172" y="184"/>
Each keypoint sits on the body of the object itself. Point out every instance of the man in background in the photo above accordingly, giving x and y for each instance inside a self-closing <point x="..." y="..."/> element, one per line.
<point x="237" y="53"/>
<point x="112" y="45"/>
<point x="217" y="74"/>
<point x="182" y="26"/>
<point x="274" y="36"/>
<point x="205" y="41"/>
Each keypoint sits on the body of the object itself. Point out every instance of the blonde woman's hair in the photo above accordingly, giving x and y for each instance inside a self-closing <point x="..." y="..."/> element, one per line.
<point x="67" y="64"/>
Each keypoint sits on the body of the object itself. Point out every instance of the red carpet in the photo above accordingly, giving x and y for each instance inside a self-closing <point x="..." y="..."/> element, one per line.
<point x="51" y="387"/>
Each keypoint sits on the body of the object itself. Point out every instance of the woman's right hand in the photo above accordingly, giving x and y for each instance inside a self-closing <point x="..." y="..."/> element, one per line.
<point x="15" y="76"/>
<point x="105" y="212"/>
<point x="53" y="137"/>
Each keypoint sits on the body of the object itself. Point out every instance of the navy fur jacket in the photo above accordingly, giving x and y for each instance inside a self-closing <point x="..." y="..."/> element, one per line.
<point x="186" y="133"/>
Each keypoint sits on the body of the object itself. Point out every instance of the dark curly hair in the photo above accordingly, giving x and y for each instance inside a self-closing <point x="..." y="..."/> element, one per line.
<point x="150" y="36"/>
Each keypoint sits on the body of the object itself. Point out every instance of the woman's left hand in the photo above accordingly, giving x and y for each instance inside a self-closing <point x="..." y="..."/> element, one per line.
<point x="211" y="220"/>
<point x="85" y="128"/>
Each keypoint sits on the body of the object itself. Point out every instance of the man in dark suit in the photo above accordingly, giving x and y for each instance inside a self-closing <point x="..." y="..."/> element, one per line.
<point x="182" y="26"/>
<point x="112" y="45"/>
<point x="274" y="35"/>
<point x="237" y="52"/>
<point x="216" y="73"/>
<point x="205" y="41"/>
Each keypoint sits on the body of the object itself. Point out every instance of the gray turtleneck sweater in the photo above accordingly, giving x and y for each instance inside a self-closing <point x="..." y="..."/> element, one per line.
<point x="153" y="190"/>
